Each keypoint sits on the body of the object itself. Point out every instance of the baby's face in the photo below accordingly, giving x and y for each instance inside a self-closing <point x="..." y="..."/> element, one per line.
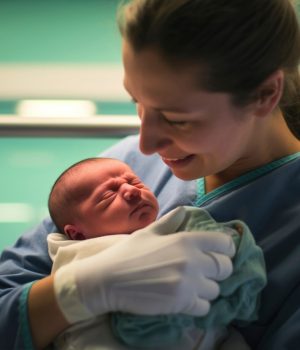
<point x="118" y="202"/>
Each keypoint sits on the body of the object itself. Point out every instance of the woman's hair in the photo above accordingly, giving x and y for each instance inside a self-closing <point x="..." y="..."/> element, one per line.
<point x="237" y="43"/>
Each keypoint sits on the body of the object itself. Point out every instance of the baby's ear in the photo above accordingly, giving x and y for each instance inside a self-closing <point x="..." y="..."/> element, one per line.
<point x="73" y="233"/>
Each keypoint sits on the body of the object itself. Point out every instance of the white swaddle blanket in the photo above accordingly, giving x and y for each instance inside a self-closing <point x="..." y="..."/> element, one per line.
<point x="96" y="334"/>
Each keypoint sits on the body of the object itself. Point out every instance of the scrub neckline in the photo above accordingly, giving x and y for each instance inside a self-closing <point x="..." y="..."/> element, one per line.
<point x="203" y="197"/>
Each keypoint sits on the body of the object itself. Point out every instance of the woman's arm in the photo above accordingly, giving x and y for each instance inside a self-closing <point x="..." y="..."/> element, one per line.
<point x="26" y="262"/>
<point x="45" y="317"/>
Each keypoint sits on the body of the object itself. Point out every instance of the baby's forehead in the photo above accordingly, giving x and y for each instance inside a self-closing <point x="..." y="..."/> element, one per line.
<point x="98" y="172"/>
<point x="116" y="165"/>
<point x="102" y="165"/>
<point x="112" y="167"/>
<point x="97" y="176"/>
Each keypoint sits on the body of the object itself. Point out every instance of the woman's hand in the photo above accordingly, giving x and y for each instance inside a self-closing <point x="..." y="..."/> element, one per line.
<point x="149" y="272"/>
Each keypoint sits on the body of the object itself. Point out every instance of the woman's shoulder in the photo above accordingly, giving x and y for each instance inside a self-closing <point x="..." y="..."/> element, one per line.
<point x="127" y="150"/>
<point x="124" y="149"/>
<point x="29" y="254"/>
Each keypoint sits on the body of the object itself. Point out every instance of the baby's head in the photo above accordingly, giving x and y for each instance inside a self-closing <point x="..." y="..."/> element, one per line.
<point x="100" y="196"/>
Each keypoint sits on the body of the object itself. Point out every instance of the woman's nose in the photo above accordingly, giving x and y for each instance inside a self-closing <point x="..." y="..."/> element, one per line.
<point x="130" y="192"/>
<point x="153" y="136"/>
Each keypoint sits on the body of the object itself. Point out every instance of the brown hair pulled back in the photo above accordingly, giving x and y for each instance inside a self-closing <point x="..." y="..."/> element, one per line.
<point x="239" y="43"/>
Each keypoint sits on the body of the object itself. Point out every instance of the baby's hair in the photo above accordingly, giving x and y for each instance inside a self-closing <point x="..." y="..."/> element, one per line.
<point x="63" y="195"/>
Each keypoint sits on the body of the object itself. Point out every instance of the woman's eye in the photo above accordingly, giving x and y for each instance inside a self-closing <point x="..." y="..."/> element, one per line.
<point x="176" y="122"/>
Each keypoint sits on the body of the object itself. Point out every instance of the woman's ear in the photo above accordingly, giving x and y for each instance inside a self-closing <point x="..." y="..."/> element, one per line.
<point x="73" y="233"/>
<point x="269" y="93"/>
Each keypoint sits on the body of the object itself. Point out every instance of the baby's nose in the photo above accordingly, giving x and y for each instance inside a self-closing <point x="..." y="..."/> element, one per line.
<point x="130" y="192"/>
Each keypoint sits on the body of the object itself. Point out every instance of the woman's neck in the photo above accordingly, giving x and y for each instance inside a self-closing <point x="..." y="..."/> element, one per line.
<point x="274" y="142"/>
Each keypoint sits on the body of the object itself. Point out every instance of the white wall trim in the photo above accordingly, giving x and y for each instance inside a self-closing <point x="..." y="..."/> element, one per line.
<point x="88" y="81"/>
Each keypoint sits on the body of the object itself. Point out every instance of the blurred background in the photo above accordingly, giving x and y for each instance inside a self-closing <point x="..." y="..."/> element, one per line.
<point x="54" y="54"/>
<point x="61" y="98"/>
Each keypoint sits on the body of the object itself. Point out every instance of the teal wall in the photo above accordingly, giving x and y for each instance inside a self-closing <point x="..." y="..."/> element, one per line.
<point x="50" y="32"/>
<point x="59" y="31"/>
<point x="29" y="167"/>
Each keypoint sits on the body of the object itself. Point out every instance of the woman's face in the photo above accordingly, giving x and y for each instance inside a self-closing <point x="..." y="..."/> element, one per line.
<point x="196" y="133"/>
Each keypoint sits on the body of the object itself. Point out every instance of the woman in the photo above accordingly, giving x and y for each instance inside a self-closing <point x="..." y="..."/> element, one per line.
<point x="216" y="86"/>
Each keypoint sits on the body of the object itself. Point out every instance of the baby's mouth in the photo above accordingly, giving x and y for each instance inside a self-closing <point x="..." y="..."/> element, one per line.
<point x="138" y="207"/>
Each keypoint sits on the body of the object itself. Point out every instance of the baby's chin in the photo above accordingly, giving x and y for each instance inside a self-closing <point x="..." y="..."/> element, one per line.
<point x="143" y="216"/>
<point x="145" y="219"/>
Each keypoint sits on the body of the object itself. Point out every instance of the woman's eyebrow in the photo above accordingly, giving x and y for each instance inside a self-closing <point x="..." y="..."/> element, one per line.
<point x="175" y="109"/>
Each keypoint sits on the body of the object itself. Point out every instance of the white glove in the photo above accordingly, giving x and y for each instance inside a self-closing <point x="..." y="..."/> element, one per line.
<point x="149" y="272"/>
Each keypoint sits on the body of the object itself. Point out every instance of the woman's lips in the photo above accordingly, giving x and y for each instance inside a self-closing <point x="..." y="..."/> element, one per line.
<point x="178" y="162"/>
